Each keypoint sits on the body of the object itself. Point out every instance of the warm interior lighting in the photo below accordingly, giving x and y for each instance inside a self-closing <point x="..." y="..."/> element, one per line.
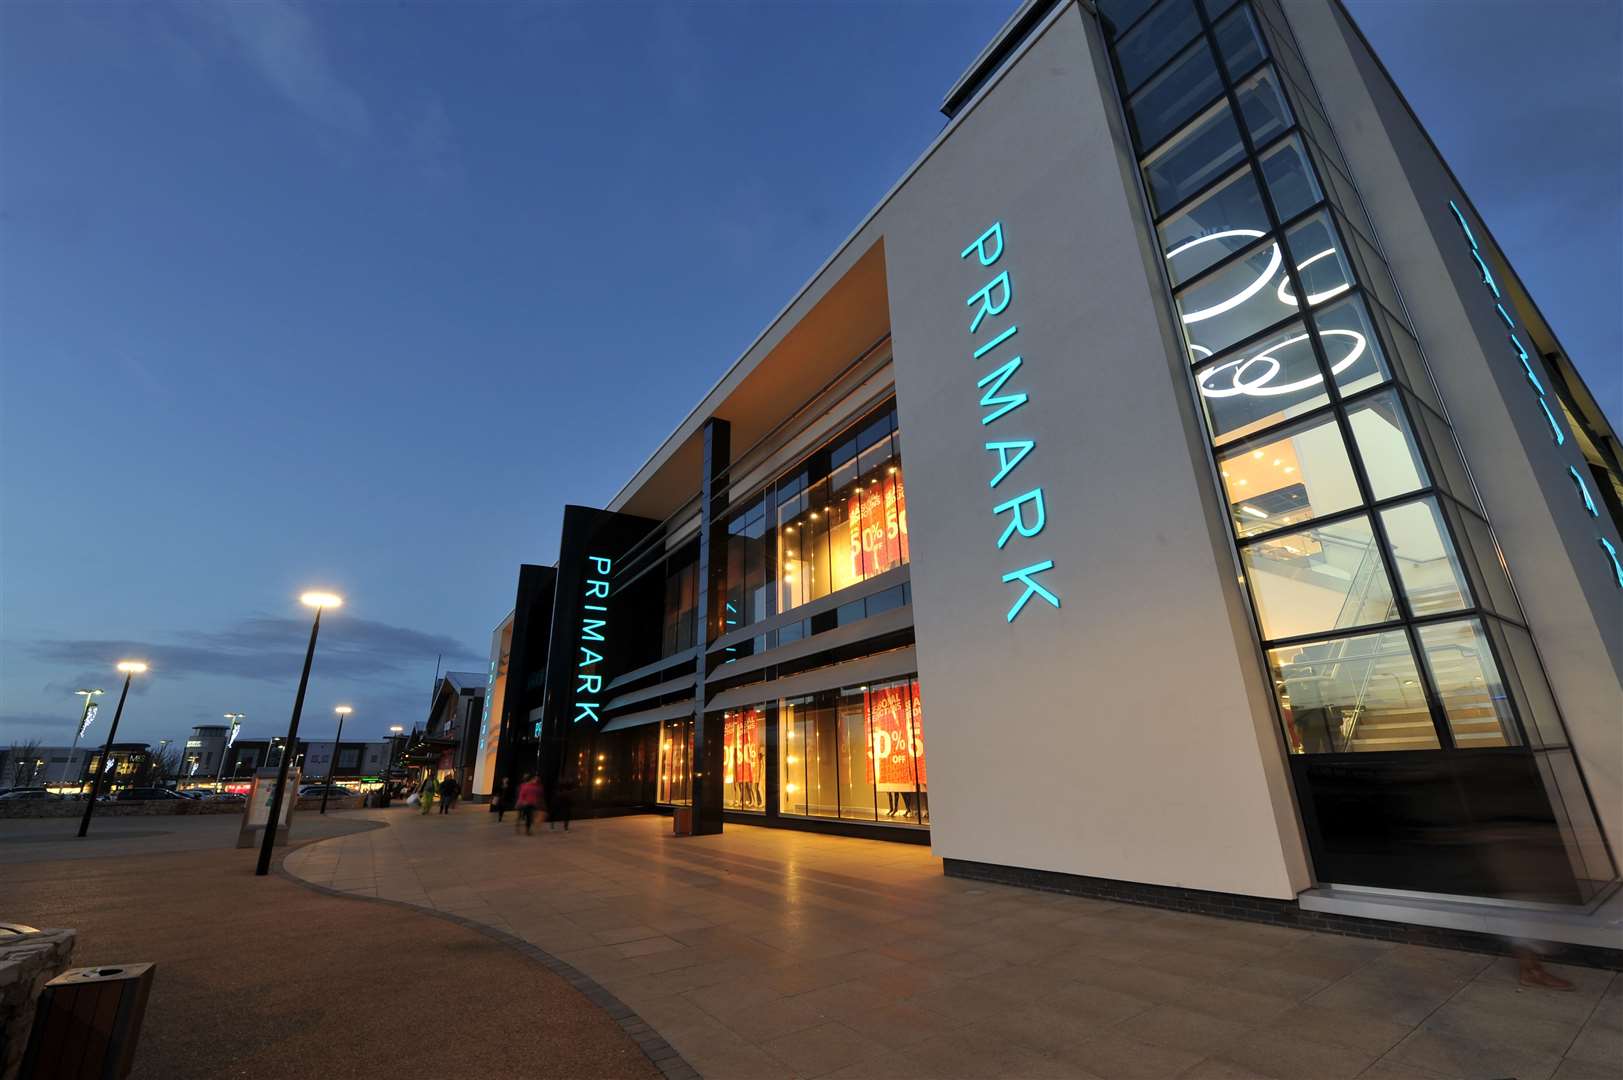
<point x="321" y="599"/>
<point x="343" y="710"/>
<point x="1247" y="508"/>
<point x="132" y="667"/>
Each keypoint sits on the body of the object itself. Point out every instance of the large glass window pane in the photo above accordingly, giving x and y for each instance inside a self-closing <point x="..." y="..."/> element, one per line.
<point x="744" y="761"/>
<point x="1121" y="14"/>
<point x="1202" y="152"/>
<point x="856" y="760"/>
<point x="1263" y="106"/>
<point x="1292" y="477"/>
<point x="1351" y="346"/>
<point x="1410" y="367"/>
<point x="1423" y="555"/>
<point x="1378" y="276"/>
<point x="1239" y="42"/>
<point x="1321" y="262"/>
<point x="1224" y="220"/>
<point x="1524" y="679"/>
<point x="1468" y="684"/>
<point x="1172" y="97"/>
<point x="893" y="759"/>
<point x="1259" y="386"/>
<point x="1321" y="579"/>
<point x="675" y="755"/>
<point x="1155" y="40"/>
<point x="745" y="595"/>
<point x="1290" y="179"/>
<point x="1386" y="446"/>
<point x="881" y="509"/>
<point x="810" y="753"/>
<point x="1490" y="568"/>
<point x="1352" y="694"/>
<point x="1233" y="302"/>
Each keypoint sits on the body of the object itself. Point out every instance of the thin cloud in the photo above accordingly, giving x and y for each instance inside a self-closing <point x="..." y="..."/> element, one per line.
<point x="267" y="649"/>
<point x="283" y="44"/>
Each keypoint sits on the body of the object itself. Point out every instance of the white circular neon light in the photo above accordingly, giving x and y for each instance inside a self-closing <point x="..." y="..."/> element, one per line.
<point x="1261" y="386"/>
<point x="1288" y="299"/>
<point x="1276" y="259"/>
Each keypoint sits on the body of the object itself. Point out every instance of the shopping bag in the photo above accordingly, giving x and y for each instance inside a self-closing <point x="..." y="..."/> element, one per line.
<point x="414" y="799"/>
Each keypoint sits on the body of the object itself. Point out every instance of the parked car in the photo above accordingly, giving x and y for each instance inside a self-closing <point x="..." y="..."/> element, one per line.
<point x="333" y="791"/>
<point x="228" y="796"/>
<point x="194" y="793"/>
<point x="18" y="794"/>
<point x="135" y="794"/>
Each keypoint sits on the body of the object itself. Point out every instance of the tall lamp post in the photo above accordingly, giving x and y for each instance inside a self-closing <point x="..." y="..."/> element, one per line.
<point x="317" y="600"/>
<point x="332" y="763"/>
<point x="130" y="668"/>
<point x="163" y="764"/>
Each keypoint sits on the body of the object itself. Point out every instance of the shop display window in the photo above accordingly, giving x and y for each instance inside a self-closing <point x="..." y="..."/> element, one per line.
<point x="856" y="753"/>
<point x="744" y="759"/>
<point x="675" y="762"/>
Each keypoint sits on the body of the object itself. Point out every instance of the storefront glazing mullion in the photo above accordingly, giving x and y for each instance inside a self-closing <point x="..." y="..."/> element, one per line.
<point x="1249" y="341"/>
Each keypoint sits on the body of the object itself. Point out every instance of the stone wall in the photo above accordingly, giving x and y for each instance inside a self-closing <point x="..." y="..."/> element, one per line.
<point x="72" y="808"/>
<point x="27" y="963"/>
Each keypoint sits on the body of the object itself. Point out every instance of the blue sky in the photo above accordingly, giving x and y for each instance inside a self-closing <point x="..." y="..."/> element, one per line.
<point x="359" y="295"/>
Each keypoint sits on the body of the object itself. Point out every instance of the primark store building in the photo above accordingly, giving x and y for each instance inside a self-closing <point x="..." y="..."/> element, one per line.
<point x="1168" y="488"/>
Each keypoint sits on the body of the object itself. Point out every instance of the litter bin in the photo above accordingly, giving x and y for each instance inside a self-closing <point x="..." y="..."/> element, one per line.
<point x="87" y="1023"/>
<point x="682" y="820"/>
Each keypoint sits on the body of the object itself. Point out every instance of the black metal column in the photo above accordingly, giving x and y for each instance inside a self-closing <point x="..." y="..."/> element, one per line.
<point x="706" y="761"/>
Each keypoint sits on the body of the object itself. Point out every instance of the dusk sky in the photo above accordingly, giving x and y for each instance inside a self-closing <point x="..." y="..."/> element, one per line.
<point x="359" y="295"/>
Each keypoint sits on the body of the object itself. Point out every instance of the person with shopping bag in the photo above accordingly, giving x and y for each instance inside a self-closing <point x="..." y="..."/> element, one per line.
<point x="531" y="797"/>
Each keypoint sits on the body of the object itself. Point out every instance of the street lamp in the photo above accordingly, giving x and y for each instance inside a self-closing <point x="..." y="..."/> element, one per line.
<point x="332" y="763"/>
<point x="317" y="600"/>
<point x="163" y="764"/>
<point x="130" y="668"/>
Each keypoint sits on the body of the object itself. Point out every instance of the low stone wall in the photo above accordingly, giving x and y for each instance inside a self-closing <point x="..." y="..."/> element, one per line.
<point x="72" y="808"/>
<point x="27" y="963"/>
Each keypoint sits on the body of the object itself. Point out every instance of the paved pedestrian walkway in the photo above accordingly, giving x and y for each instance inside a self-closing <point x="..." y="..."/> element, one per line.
<point x="261" y="977"/>
<point x="769" y="953"/>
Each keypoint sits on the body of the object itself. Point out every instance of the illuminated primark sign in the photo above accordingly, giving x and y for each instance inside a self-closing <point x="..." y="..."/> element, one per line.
<point x="594" y="619"/>
<point x="994" y="348"/>
<point x="1514" y="336"/>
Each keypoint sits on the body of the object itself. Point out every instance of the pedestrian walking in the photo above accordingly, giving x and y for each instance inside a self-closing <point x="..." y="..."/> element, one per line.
<point x="450" y="788"/>
<point x="502" y="799"/>
<point x="530" y="799"/>
<point x="563" y="804"/>
<point x="425" y="794"/>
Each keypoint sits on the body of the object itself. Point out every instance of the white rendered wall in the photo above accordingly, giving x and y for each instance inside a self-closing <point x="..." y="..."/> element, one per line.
<point x="1127" y="734"/>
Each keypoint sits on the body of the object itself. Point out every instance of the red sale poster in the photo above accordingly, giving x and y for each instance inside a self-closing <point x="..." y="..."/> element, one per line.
<point x="894" y="744"/>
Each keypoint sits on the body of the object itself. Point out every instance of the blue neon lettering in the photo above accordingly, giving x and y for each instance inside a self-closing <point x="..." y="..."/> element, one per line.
<point x="1025" y="575"/>
<point x="1555" y="428"/>
<point x="1008" y="402"/>
<point x="984" y="295"/>
<point x="995" y="342"/>
<point x="1532" y="377"/>
<point x="1583" y="490"/>
<point x="592" y="628"/>
<point x="988" y="248"/>
<point x="979" y="246"/>
<point x="1611" y="553"/>
<point x="1016" y="522"/>
<point x="1005" y="463"/>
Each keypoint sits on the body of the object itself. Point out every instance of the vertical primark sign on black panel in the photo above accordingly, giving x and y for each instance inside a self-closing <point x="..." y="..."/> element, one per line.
<point x="586" y="650"/>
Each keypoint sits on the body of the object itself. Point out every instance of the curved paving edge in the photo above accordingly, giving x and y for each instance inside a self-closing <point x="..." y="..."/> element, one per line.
<point x="662" y="1054"/>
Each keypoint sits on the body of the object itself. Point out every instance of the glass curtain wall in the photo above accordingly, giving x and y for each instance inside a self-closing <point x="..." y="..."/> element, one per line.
<point x="1379" y="591"/>
<point x="837" y="519"/>
<point x="856" y="754"/>
<point x="675" y="762"/>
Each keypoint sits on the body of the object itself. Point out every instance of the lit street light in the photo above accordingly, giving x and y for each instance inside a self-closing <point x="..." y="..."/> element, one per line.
<point x="332" y="763"/>
<point x="130" y="668"/>
<point x="317" y="600"/>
